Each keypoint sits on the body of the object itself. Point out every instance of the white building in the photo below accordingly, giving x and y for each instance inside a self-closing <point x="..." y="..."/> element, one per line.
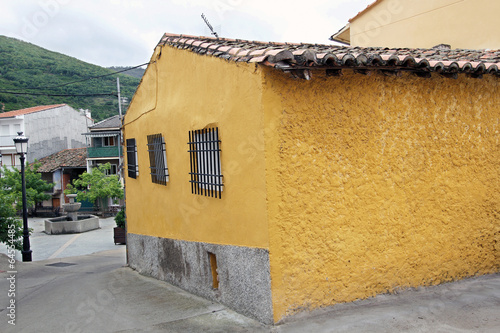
<point x="50" y="129"/>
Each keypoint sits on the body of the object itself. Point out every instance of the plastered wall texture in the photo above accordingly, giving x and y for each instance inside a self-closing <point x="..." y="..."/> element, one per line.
<point x="379" y="183"/>
<point x="170" y="229"/>
<point x="179" y="93"/>
<point x="427" y="23"/>
<point x="337" y="188"/>
<point x="54" y="130"/>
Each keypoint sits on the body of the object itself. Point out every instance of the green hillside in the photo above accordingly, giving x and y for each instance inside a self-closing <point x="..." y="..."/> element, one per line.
<point x="27" y="68"/>
<point x="136" y="72"/>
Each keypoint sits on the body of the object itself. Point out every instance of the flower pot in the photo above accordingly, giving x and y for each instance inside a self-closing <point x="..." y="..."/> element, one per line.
<point x="120" y="235"/>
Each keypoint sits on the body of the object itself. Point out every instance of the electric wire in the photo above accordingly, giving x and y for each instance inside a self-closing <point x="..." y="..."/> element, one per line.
<point x="73" y="82"/>
<point x="55" y="95"/>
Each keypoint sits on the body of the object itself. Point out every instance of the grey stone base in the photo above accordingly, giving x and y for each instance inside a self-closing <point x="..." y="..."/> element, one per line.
<point x="243" y="272"/>
<point x="60" y="225"/>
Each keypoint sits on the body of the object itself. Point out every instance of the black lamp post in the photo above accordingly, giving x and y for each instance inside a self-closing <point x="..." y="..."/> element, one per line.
<point x="21" y="143"/>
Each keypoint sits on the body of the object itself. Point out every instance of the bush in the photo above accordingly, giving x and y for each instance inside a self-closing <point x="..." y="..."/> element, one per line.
<point x="11" y="228"/>
<point x="120" y="219"/>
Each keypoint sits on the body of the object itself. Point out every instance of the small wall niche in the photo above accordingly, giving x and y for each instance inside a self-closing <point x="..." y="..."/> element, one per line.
<point x="213" y="266"/>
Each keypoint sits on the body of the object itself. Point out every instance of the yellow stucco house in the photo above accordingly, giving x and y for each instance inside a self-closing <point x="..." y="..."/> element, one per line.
<point x="277" y="178"/>
<point x="466" y="24"/>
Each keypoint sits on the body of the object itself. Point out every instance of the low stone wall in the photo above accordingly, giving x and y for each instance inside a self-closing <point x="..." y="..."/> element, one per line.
<point x="243" y="273"/>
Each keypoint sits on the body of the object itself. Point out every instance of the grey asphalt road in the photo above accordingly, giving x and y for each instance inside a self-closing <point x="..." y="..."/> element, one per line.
<point x="82" y="284"/>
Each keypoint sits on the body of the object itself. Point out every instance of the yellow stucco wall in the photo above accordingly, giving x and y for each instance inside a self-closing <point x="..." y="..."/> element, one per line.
<point x="469" y="24"/>
<point x="357" y="184"/>
<point x="377" y="183"/>
<point x="181" y="92"/>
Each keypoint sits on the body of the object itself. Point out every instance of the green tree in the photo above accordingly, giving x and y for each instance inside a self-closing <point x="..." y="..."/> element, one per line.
<point x="96" y="186"/>
<point x="36" y="187"/>
<point x="11" y="228"/>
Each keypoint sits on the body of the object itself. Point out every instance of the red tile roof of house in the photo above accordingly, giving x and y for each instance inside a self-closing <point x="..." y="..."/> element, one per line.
<point x="29" y="110"/>
<point x="68" y="158"/>
<point x="291" y="57"/>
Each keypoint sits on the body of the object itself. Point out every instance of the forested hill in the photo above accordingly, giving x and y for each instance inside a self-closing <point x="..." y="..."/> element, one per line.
<point x="136" y="72"/>
<point x="27" y="68"/>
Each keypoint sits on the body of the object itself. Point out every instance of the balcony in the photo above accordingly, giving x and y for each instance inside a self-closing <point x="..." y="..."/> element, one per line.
<point x="113" y="151"/>
<point x="7" y="140"/>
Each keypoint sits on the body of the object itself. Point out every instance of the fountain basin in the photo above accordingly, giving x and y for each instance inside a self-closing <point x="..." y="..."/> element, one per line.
<point x="72" y="206"/>
<point x="64" y="225"/>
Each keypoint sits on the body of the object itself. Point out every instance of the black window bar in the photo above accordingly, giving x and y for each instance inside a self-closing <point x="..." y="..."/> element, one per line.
<point x="157" y="159"/>
<point x="204" y="156"/>
<point x="132" y="165"/>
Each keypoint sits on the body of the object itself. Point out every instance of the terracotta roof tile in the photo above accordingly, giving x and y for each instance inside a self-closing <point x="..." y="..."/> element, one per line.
<point x="68" y="158"/>
<point x="29" y="110"/>
<point x="257" y="59"/>
<point x="292" y="56"/>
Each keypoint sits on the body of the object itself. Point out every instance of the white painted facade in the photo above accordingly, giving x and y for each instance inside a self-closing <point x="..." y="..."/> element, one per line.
<point x="8" y="131"/>
<point x="49" y="131"/>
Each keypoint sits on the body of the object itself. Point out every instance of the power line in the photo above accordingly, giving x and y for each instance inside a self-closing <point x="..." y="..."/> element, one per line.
<point x="78" y="81"/>
<point x="54" y="95"/>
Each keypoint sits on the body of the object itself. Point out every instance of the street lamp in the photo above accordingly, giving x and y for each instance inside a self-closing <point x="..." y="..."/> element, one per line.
<point x="21" y="143"/>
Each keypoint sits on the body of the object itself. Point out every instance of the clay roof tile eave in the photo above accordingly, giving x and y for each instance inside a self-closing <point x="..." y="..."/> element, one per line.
<point x="312" y="55"/>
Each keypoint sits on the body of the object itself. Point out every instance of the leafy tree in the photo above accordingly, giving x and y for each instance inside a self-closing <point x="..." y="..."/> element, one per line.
<point x="96" y="186"/>
<point x="36" y="187"/>
<point x="11" y="228"/>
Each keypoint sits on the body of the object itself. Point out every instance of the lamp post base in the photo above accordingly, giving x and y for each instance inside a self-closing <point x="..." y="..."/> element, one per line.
<point x="26" y="255"/>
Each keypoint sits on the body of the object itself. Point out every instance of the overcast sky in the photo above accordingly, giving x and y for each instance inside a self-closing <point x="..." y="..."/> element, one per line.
<point x="125" y="32"/>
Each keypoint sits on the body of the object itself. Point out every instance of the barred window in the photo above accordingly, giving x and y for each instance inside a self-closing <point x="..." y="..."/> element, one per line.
<point x="132" y="165"/>
<point x="204" y="156"/>
<point x="157" y="159"/>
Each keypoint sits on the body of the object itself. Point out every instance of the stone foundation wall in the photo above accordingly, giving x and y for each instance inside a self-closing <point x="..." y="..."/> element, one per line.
<point x="244" y="282"/>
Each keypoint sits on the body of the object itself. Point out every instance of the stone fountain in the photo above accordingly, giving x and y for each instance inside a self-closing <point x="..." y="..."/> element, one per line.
<point x="73" y="222"/>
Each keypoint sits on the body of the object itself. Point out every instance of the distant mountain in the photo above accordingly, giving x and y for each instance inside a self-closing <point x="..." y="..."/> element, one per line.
<point x="27" y="68"/>
<point x="136" y="72"/>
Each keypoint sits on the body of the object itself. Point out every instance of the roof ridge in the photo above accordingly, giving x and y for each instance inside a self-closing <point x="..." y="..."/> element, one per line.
<point x="107" y="119"/>
<point x="371" y="5"/>
<point x="71" y="149"/>
<point x="32" y="109"/>
<point x="292" y="56"/>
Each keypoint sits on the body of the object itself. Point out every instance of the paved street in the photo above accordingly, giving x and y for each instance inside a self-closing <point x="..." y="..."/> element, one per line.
<point x="80" y="283"/>
<point x="59" y="246"/>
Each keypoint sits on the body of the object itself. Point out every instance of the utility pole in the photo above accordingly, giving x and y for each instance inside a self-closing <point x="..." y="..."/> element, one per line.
<point x="120" y="166"/>
<point x="119" y="98"/>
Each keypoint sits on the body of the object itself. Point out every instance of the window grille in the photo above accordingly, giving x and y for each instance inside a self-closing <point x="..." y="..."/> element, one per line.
<point x="157" y="159"/>
<point x="132" y="165"/>
<point x="204" y="157"/>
